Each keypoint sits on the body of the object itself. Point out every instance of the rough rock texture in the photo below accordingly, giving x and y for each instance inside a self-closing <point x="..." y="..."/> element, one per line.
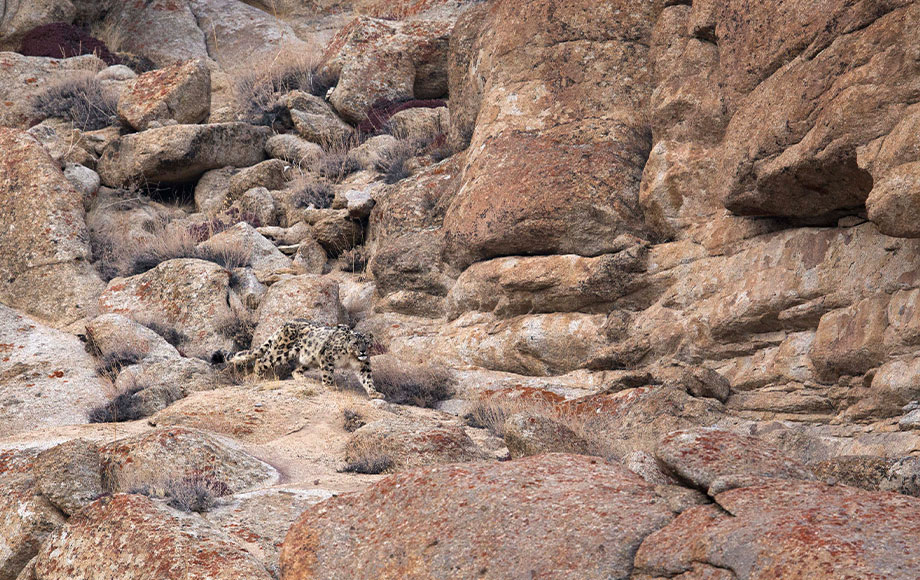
<point x="453" y="521"/>
<point x="151" y="459"/>
<point x="70" y="475"/>
<point x="179" y="153"/>
<point x="26" y="516"/>
<point x="788" y="529"/>
<point x="411" y="443"/>
<point x="46" y="376"/>
<point x="130" y="536"/>
<point x="292" y="148"/>
<point x="44" y="248"/>
<point x="377" y="60"/>
<point x="263" y="255"/>
<point x="530" y="434"/>
<point x="306" y="296"/>
<point x="180" y="93"/>
<point x="315" y="120"/>
<point x="22" y="77"/>
<point x="187" y="295"/>
<point x="19" y="18"/>
<point x="112" y="336"/>
<point x="165" y="31"/>
<point x="717" y="460"/>
<point x="539" y="186"/>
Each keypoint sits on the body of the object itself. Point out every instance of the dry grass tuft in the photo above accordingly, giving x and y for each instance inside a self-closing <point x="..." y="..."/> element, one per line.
<point x="79" y="99"/>
<point x="407" y="384"/>
<point x="310" y="192"/>
<point x="367" y="459"/>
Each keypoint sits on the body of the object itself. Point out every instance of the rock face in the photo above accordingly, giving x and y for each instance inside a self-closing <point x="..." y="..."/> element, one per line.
<point x="453" y="521"/>
<point x="48" y="378"/>
<point x="763" y="532"/>
<point x="528" y="191"/>
<point x="130" y="536"/>
<point x="189" y="296"/>
<point x="411" y="444"/>
<point x="165" y="31"/>
<point x="180" y="93"/>
<point x="45" y="245"/>
<point x="307" y="296"/>
<point x="180" y="153"/>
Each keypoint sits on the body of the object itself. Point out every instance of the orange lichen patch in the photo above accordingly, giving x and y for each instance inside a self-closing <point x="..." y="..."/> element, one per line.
<point x="521" y="393"/>
<point x="56" y="375"/>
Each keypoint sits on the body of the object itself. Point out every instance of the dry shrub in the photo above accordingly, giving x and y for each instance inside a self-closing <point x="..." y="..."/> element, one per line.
<point x="126" y="405"/>
<point x="352" y="420"/>
<point x="169" y="333"/>
<point x="393" y="162"/>
<point x="310" y="192"/>
<point x="353" y="260"/>
<point x="259" y="93"/>
<point x="194" y="492"/>
<point x="238" y="327"/>
<point x="226" y="254"/>
<point x="79" y="99"/>
<point x="367" y="459"/>
<point x="408" y="384"/>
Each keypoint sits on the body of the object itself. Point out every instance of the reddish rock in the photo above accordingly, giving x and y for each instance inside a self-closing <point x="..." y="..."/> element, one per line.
<point x="790" y="530"/>
<point x="133" y="537"/>
<point x="44" y="251"/>
<point x="533" y="517"/>
<point x="180" y="93"/>
<point x="717" y="460"/>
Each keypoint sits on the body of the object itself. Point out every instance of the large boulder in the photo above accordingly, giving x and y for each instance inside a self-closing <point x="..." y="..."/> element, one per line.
<point x="44" y="248"/>
<point x="456" y="521"/>
<point x="23" y="77"/>
<point x="165" y="31"/>
<point x="114" y="337"/>
<point x="377" y="60"/>
<point x="408" y="443"/>
<point x="48" y="378"/>
<point x="180" y="93"/>
<point x="188" y="296"/>
<point x="763" y="532"/>
<point x="130" y="536"/>
<point x="535" y="182"/>
<point x="181" y="153"/>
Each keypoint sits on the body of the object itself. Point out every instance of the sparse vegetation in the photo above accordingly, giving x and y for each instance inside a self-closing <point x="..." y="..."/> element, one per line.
<point x="407" y="384"/>
<point x="367" y="459"/>
<point x="260" y="94"/>
<point x="238" y="327"/>
<point x="353" y="420"/>
<point x="169" y="333"/>
<point x="310" y="192"/>
<point x="394" y="161"/>
<point x="195" y="492"/>
<point x="353" y="260"/>
<point x="79" y="99"/>
<point x="379" y="114"/>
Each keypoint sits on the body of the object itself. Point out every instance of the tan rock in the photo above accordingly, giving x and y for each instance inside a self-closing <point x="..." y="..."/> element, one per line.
<point x="45" y="250"/>
<point x="48" y="377"/>
<point x="264" y="257"/>
<point x="19" y="19"/>
<point x="180" y="93"/>
<point x="372" y="151"/>
<point x="165" y="31"/>
<point x="453" y="521"/>
<point x="180" y="153"/>
<point x="134" y="535"/>
<point x="113" y="335"/>
<point x="315" y="120"/>
<point x="211" y="191"/>
<point x="894" y="202"/>
<point x="270" y="174"/>
<point x="338" y="232"/>
<point x="410" y="443"/>
<point x="187" y="295"/>
<point x="466" y="84"/>
<point x="531" y="434"/>
<point x="312" y="297"/>
<point x="293" y="149"/>
<point x="420" y="124"/>
<point x="851" y="340"/>
<point x="70" y="475"/>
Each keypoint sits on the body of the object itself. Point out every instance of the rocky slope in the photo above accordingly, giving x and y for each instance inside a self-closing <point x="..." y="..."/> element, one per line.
<point x="642" y="277"/>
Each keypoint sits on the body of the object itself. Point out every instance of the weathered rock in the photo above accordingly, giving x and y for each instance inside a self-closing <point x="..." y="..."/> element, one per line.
<point x="48" y="379"/>
<point x="528" y="191"/>
<point x="212" y="189"/>
<point x="256" y="205"/>
<point x="893" y="203"/>
<point x="420" y="124"/>
<point x="116" y="337"/>
<point x="531" y="434"/>
<point x="165" y="31"/>
<point x="23" y="77"/>
<point x="293" y="149"/>
<point x="465" y="82"/>
<point x="520" y="285"/>
<point x="310" y="257"/>
<point x="763" y="532"/>
<point x="338" y="232"/>
<point x="903" y="477"/>
<point x="26" y="516"/>
<point x="180" y="93"/>
<point x="453" y="521"/>
<point x="368" y="154"/>
<point x="264" y="257"/>
<point x="84" y="179"/>
<point x="151" y="459"/>
<point x="70" y="475"/>
<point x="851" y="340"/>
<point x="259" y="520"/>
<point x="410" y="443"/>
<point x="716" y="460"/>
<point x="187" y="295"/>
<point x="270" y="174"/>
<point x="131" y="535"/>
<point x="311" y="297"/>
<point x="65" y="143"/>
<point x="45" y="251"/>
<point x="360" y="202"/>
<point x="116" y="72"/>
<point x="153" y="385"/>
<point x="180" y="153"/>
<point x="376" y="60"/>
<point x="863" y="471"/>
<point x="18" y="19"/>
<point x="315" y="120"/>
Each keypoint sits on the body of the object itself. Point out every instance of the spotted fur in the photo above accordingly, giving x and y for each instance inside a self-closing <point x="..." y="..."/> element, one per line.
<point x="312" y="344"/>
